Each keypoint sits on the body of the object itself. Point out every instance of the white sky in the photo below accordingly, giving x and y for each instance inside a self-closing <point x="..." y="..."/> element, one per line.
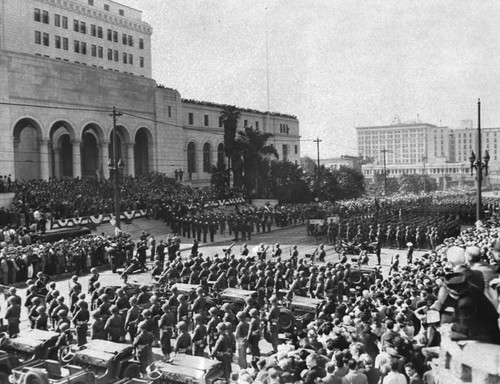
<point x="334" y="64"/>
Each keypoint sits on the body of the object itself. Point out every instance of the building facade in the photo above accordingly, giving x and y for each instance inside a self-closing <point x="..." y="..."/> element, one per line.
<point x="57" y="94"/>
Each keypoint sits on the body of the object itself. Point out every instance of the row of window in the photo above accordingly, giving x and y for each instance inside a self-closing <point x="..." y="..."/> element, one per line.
<point x="81" y="27"/>
<point x="121" y="12"/>
<point x="206" y="121"/>
<point x="81" y="47"/>
<point x="284" y="128"/>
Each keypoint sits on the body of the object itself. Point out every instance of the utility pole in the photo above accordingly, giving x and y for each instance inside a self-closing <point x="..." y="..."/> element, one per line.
<point x="384" y="151"/>
<point x="116" y="169"/>
<point x="480" y="170"/>
<point x="317" y="141"/>
<point x="424" y="159"/>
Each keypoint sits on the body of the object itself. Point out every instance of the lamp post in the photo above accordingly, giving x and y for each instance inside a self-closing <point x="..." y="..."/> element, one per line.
<point x="384" y="151"/>
<point x="479" y="164"/>
<point x="116" y="169"/>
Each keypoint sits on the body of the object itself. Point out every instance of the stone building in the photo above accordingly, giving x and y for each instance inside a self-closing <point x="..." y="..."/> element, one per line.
<point x="64" y="66"/>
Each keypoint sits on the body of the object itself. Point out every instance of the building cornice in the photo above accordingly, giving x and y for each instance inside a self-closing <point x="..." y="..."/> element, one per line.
<point x="104" y="16"/>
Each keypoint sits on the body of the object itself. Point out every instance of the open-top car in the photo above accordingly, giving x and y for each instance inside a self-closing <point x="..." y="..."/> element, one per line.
<point x="299" y="311"/>
<point x="363" y="277"/>
<point x="186" y="369"/>
<point x="108" y="360"/>
<point x="30" y="345"/>
<point x="51" y="371"/>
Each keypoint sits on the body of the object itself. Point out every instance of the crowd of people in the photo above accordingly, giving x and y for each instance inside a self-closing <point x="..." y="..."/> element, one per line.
<point x="382" y="334"/>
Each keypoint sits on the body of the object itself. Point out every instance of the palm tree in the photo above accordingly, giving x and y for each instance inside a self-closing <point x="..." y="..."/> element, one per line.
<point x="229" y="116"/>
<point x="254" y="151"/>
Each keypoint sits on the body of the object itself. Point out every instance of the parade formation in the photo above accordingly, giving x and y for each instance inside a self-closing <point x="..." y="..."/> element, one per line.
<point x="259" y="313"/>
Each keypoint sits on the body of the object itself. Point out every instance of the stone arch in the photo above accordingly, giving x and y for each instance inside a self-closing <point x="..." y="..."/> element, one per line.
<point x="207" y="157"/>
<point x="143" y="154"/>
<point x="30" y="150"/>
<point x="62" y="136"/>
<point x="191" y="158"/>
<point x="221" y="155"/>
<point x="92" y="158"/>
<point x="123" y="137"/>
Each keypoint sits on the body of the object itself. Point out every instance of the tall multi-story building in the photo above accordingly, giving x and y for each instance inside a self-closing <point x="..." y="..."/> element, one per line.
<point x="64" y="66"/>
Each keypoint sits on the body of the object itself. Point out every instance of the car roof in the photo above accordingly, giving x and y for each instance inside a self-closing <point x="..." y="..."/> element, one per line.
<point x="29" y="339"/>
<point x="182" y="366"/>
<point x="99" y="352"/>
<point x="236" y="293"/>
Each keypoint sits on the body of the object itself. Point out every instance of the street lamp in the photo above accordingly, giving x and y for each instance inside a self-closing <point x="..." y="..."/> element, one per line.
<point x="479" y="164"/>
<point x="116" y="169"/>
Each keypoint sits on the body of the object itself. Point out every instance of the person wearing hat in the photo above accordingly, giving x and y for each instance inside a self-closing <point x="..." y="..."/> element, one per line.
<point x="144" y="296"/>
<point x="166" y="325"/>
<point x="272" y="318"/>
<point x="215" y="319"/>
<point x="199" y="339"/>
<point x="254" y="335"/>
<point x="183" y="343"/>
<point x="409" y="253"/>
<point x="241" y="336"/>
<point x="115" y="325"/>
<point x="132" y="318"/>
<point x="222" y="350"/>
<point x="472" y="315"/>
<point x="13" y="316"/>
<point x="143" y="344"/>
<point x="81" y="320"/>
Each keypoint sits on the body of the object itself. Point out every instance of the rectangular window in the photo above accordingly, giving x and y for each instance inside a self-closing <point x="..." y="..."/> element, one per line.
<point x="110" y="35"/>
<point x="115" y="36"/>
<point x="99" y="32"/>
<point x="141" y="62"/>
<point x="91" y="3"/>
<point x="296" y="149"/>
<point x="124" y="38"/>
<point x="46" y="39"/>
<point x="245" y="123"/>
<point x="106" y="7"/>
<point x="65" y="22"/>
<point x="83" y="27"/>
<point x="141" y="43"/>
<point x="93" y="30"/>
<point x="115" y="56"/>
<point x="76" y="26"/>
<point x="220" y="122"/>
<point x="130" y="40"/>
<point x="121" y="12"/>
<point x="256" y="125"/>
<point x="37" y="14"/>
<point x="84" y="48"/>
<point x="38" y="37"/>
<point x="100" y="52"/>
<point x="169" y="111"/>
<point x="206" y="121"/>
<point x="93" y="50"/>
<point x="125" y="58"/>
<point x="191" y="118"/>
<point x="77" y="46"/>
<point x="65" y="43"/>
<point x="57" y="20"/>
<point x="45" y="17"/>
<point x="110" y="54"/>
<point x="131" y="59"/>
<point x="57" y="42"/>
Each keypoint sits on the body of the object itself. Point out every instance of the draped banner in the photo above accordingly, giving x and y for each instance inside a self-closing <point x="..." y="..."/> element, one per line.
<point x="95" y="220"/>
<point x="221" y="203"/>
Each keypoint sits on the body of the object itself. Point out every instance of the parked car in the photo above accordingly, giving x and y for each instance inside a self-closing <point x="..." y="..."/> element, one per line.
<point x="108" y="360"/>
<point x="186" y="369"/>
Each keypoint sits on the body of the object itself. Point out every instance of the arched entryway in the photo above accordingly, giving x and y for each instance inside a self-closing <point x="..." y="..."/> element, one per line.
<point x="123" y="148"/>
<point x="191" y="159"/>
<point x="220" y="155"/>
<point x="142" y="152"/>
<point x="62" y="137"/>
<point x="28" y="147"/>
<point x="207" y="157"/>
<point x="94" y="157"/>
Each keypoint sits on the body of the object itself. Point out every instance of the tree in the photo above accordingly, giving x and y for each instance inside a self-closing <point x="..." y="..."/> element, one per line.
<point x="416" y="183"/>
<point x="218" y="179"/>
<point x="350" y="183"/>
<point x="308" y="165"/>
<point x="252" y="146"/>
<point x="287" y="183"/>
<point x="229" y="117"/>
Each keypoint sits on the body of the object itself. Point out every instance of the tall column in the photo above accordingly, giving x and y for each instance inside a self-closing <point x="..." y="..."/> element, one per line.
<point x="57" y="163"/>
<point x="44" y="159"/>
<point x="15" y="147"/>
<point x="130" y="159"/>
<point x="105" y="159"/>
<point x="77" y="158"/>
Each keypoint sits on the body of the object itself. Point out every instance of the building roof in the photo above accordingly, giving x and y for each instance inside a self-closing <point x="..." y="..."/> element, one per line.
<point x="396" y="126"/>
<point x="218" y="105"/>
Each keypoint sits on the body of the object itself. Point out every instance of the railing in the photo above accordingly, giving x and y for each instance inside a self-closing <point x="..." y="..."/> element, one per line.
<point x="466" y="361"/>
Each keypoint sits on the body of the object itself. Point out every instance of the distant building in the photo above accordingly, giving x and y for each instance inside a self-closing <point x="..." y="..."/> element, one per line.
<point x="353" y="162"/>
<point x="64" y="65"/>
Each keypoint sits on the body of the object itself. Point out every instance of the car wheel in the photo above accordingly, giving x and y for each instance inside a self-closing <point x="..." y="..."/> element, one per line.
<point x="4" y="378"/>
<point x="36" y="376"/>
<point x="131" y="371"/>
<point x="356" y="277"/>
<point x="286" y="319"/>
